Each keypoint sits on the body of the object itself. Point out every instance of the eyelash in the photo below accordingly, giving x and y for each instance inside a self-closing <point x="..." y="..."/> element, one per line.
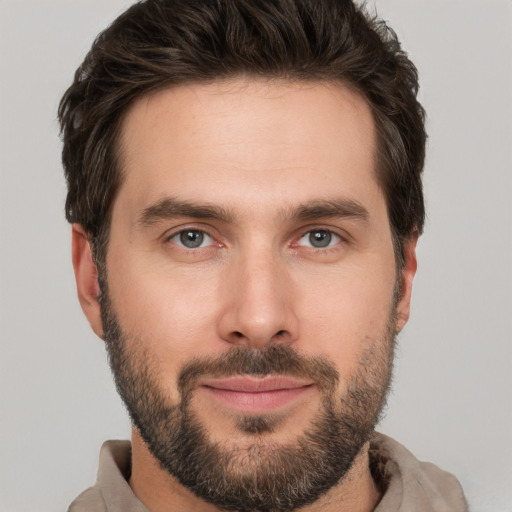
<point x="339" y="239"/>
<point x="202" y="232"/>
<point x="325" y="231"/>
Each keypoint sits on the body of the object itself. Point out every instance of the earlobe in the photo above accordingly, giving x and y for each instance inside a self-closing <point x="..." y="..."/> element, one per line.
<point x="86" y="276"/>
<point x="407" y="277"/>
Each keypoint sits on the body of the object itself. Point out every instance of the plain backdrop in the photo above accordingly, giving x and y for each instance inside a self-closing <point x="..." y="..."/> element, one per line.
<point x="451" y="401"/>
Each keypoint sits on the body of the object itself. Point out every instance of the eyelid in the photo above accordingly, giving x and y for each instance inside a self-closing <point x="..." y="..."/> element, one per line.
<point x="343" y="235"/>
<point x="334" y="241"/>
<point x="177" y="230"/>
<point x="205" y="242"/>
<point x="210" y="232"/>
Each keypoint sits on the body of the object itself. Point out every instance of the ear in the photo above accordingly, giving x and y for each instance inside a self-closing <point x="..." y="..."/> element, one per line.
<point x="86" y="276"/>
<point x="408" y="273"/>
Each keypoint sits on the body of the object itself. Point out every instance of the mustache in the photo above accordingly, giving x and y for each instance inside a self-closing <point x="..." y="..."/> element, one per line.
<point x="272" y="360"/>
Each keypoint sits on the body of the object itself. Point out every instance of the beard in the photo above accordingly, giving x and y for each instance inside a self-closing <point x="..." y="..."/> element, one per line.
<point x="263" y="475"/>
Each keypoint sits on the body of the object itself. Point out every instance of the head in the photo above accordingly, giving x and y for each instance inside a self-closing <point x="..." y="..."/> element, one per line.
<point x="159" y="44"/>
<point x="245" y="187"/>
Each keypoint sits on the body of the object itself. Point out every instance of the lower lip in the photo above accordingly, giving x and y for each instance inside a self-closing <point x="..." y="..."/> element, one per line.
<point x="260" y="401"/>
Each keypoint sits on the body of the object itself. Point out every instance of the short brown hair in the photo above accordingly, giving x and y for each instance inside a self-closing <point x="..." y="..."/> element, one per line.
<point x="161" y="43"/>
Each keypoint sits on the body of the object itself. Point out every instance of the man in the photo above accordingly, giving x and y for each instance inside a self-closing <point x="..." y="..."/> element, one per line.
<point x="244" y="183"/>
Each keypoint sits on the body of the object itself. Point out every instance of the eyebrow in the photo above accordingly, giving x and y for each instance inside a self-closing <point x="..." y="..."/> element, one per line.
<point x="170" y="207"/>
<point x="325" y="209"/>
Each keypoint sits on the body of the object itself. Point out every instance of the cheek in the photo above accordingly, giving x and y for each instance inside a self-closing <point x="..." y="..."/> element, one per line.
<point x="169" y="317"/>
<point x="164" y="309"/>
<point x="346" y="316"/>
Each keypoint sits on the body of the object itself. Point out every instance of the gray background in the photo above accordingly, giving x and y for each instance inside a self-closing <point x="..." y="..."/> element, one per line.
<point x="451" y="402"/>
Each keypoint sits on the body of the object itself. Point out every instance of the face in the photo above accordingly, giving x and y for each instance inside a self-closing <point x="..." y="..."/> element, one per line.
<point x="248" y="301"/>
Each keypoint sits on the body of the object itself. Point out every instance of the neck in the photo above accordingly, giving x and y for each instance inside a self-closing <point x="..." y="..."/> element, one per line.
<point x="160" y="492"/>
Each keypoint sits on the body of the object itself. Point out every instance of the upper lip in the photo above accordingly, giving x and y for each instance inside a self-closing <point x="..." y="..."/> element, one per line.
<point x="250" y="384"/>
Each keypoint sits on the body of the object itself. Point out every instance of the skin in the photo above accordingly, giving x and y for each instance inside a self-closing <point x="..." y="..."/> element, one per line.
<point x="260" y="151"/>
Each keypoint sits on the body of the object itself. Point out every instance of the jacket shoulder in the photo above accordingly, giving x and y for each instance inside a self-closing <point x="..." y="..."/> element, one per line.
<point x="90" y="500"/>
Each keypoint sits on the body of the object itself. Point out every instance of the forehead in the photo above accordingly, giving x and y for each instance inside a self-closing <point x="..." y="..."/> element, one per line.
<point x="247" y="140"/>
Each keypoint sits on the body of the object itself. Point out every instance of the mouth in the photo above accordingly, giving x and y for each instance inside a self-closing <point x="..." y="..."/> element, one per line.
<point x="256" y="395"/>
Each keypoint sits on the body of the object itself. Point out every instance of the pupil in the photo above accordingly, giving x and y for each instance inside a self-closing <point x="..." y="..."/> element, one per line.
<point x="192" y="239"/>
<point x="320" y="238"/>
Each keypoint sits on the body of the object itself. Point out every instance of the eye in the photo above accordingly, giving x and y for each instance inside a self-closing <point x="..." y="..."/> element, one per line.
<point x="319" y="239"/>
<point x="191" y="239"/>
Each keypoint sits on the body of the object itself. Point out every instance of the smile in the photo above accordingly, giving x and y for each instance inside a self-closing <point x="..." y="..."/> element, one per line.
<point x="256" y="395"/>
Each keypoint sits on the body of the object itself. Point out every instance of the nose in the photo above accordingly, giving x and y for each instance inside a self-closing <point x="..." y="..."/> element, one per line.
<point x="258" y="304"/>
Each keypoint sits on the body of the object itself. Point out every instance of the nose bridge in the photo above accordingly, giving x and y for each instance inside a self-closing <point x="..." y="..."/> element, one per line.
<point x="260" y="280"/>
<point x="260" y="311"/>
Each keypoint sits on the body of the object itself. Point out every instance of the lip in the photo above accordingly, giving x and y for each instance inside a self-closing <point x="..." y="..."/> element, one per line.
<point x="256" y="395"/>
